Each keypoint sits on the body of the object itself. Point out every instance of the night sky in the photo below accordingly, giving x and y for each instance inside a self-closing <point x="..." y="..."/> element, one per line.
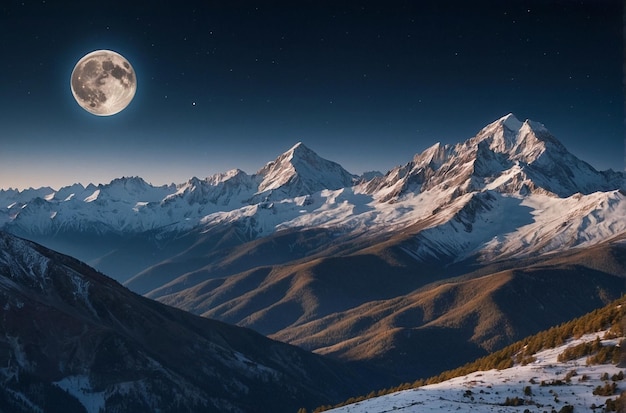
<point x="367" y="84"/>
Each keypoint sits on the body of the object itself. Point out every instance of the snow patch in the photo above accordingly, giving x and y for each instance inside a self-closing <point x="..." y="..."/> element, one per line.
<point x="81" y="291"/>
<point x="80" y="388"/>
<point x="93" y="196"/>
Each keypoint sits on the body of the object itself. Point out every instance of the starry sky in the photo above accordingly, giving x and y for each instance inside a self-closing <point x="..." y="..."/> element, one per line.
<point x="367" y="84"/>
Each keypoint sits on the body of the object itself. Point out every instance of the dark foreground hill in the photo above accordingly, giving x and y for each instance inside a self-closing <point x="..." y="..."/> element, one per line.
<point x="73" y="340"/>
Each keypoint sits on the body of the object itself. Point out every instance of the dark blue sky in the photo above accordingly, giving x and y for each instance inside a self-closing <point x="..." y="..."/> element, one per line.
<point x="364" y="83"/>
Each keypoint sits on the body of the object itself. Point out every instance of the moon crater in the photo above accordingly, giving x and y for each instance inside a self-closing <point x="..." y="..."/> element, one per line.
<point x="103" y="82"/>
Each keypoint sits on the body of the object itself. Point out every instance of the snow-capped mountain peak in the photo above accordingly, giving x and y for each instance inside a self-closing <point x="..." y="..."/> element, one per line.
<point x="519" y="141"/>
<point x="229" y="188"/>
<point x="500" y="135"/>
<point x="508" y="156"/>
<point x="433" y="156"/>
<point x="233" y="174"/>
<point x="134" y="188"/>
<point x="301" y="171"/>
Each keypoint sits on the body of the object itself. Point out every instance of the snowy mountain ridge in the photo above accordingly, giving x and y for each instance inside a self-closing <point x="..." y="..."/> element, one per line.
<point x="506" y="156"/>
<point x="304" y="168"/>
<point x="458" y="198"/>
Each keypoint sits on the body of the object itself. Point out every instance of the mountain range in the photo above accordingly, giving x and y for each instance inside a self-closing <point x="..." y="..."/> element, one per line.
<point x="458" y="252"/>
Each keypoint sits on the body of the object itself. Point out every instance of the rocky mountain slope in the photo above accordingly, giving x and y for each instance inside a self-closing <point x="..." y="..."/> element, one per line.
<point x="73" y="340"/>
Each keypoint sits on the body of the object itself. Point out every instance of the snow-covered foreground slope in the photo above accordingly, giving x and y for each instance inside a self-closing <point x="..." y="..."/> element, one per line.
<point x="487" y="391"/>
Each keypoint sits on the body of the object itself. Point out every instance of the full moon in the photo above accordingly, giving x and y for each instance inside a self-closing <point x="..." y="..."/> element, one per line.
<point x="103" y="82"/>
